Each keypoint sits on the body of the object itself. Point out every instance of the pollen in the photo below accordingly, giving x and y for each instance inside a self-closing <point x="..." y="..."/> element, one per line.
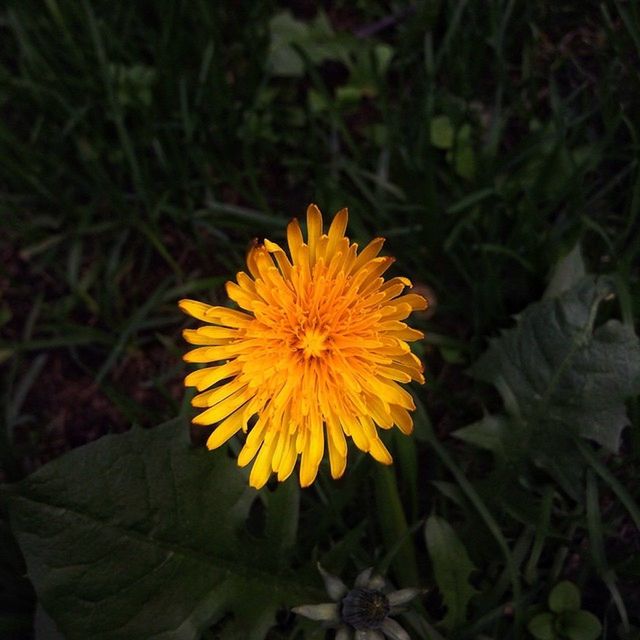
<point x="313" y="343"/>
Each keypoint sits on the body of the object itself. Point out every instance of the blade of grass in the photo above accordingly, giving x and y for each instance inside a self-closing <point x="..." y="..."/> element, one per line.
<point x="596" y="546"/>
<point x="615" y="485"/>
<point x="123" y="134"/>
<point x="135" y="323"/>
<point x="542" y="531"/>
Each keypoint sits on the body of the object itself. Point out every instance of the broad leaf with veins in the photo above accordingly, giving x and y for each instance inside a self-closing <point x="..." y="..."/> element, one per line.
<point x="559" y="372"/>
<point x="139" y="536"/>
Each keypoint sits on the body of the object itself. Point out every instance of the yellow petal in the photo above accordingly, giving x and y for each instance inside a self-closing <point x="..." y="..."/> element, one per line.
<point x="416" y="302"/>
<point x="281" y="258"/>
<point x="396" y="311"/>
<point x="336" y="232"/>
<point x="239" y="295"/>
<point x="337" y="456"/>
<point x="368" y="253"/>
<point x="224" y="408"/>
<point x="336" y="257"/>
<point x="394" y="373"/>
<point x="282" y="440"/>
<point x="261" y="469"/>
<point x="314" y="231"/>
<point x="391" y="325"/>
<point x="204" y="378"/>
<point x="402" y="418"/>
<point x="390" y="392"/>
<point x="380" y="265"/>
<point x="288" y="460"/>
<point x="213" y="397"/>
<point x="226" y="429"/>
<point x="311" y="457"/>
<point x="254" y="442"/>
<point x="211" y="354"/>
<point x="209" y="334"/>
<point x="393" y="347"/>
<point x="356" y="431"/>
<point x="408" y="334"/>
<point x="246" y="282"/>
<point x="194" y="308"/>
<point x="294" y="240"/>
<point x="252" y="255"/>
<point x="380" y="452"/>
<point x="379" y="411"/>
<point x="227" y="317"/>
<point x="336" y="435"/>
<point x="195" y="336"/>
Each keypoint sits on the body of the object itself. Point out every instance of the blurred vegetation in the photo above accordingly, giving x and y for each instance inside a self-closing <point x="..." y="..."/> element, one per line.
<point x="143" y="145"/>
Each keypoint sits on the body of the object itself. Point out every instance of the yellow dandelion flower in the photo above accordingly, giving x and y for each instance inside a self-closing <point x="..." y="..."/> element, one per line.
<point x="319" y="347"/>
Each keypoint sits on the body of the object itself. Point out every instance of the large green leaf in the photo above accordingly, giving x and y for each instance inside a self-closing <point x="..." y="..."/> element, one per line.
<point x="452" y="568"/>
<point x="559" y="374"/>
<point x="141" y="536"/>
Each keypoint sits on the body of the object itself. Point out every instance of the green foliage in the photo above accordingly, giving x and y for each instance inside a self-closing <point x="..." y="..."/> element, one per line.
<point x="393" y="525"/>
<point x="141" y="536"/>
<point x="442" y="132"/>
<point x="452" y="569"/>
<point x="133" y="85"/>
<point x="565" y="621"/>
<point x="564" y="597"/>
<point x="316" y="40"/>
<point x="559" y="376"/>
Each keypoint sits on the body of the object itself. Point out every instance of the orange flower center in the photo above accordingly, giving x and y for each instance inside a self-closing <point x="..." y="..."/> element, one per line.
<point x="312" y="343"/>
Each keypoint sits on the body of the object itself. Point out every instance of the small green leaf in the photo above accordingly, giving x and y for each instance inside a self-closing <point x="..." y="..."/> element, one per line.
<point x="565" y="596"/>
<point x="580" y="625"/>
<point x="140" y="536"/>
<point x="491" y="433"/>
<point x="283" y="59"/>
<point x="317" y="101"/>
<point x="348" y="94"/>
<point x="452" y="568"/>
<point x="463" y="154"/>
<point x="541" y="626"/>
<point x="383" y="54"/>
<point x="442" y="132"/>
<point x="316" y="39"/>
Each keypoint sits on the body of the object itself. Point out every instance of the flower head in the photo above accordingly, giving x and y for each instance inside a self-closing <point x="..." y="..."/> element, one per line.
<point x="319" y="347"/>
<point x="364" y="610"/>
